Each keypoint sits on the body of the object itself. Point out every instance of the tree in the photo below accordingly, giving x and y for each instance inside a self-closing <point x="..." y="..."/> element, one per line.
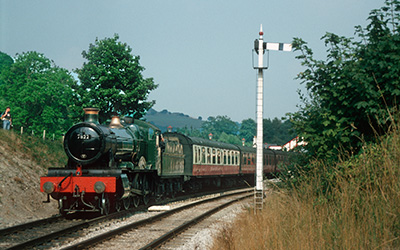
<point x="248" y="130"/>
<point x="276" y="131"/>
<point x="218" y="125"/>
<point x="5" y="63"/>
<point x="355" y="92"/>
<point x="112" y="80"/>
<point x="39" y="94"/>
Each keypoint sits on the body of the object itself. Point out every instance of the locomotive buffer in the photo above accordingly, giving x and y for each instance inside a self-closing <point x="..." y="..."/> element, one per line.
<point x="260" y="47"/>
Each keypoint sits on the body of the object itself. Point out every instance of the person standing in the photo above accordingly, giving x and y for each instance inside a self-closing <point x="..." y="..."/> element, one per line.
<point x="6" y="117"/>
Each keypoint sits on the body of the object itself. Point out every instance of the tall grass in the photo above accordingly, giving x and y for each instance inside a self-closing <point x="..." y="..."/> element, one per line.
<point x="45" y="153"/>
<point x="361" y="209"/>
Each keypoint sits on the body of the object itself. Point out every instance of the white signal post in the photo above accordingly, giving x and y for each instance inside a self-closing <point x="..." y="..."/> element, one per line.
<point x="260" y="103"/>
<point x="260" y="47"/>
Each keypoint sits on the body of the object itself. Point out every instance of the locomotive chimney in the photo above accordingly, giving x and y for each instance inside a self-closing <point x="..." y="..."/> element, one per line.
<point x="91" y="115"/>
<point x="115" y="122"/>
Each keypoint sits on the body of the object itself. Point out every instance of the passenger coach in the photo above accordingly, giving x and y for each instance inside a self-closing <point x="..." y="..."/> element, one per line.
<point x="200" y="158"/>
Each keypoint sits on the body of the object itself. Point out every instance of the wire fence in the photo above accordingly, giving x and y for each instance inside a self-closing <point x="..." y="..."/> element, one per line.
<point x="43" y="134"/>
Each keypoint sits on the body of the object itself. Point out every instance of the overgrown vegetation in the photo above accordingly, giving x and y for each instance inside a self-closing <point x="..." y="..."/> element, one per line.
<point x="46" y="153"/>
<point x="357" y="207"/>
<point x="345" y="193"/>
<point x="352" y="94"/>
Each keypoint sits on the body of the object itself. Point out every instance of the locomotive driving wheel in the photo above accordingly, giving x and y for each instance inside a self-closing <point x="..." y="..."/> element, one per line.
<point x="127" y="203"/>
<point x="118" y="206"/>
<point x="145" y="189"/>
<point x="136" y="185"/>
<point x="135" y="200"/>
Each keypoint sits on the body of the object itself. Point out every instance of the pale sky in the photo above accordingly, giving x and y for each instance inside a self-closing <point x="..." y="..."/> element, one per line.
<point x="199" y="52"/>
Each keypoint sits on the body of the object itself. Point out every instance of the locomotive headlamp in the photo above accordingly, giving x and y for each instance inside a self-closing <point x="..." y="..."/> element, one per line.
<point x="99" y="187"/>
<point x="48" y="187"/>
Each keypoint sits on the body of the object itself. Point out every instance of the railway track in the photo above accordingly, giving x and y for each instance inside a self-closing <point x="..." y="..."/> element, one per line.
<point x="154" y="231"/>
<point x="38" y="234"/>
<point x="55" y="231"/>
<point x="17" y="236"/>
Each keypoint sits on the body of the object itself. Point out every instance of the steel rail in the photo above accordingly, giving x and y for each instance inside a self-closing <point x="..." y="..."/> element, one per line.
<point x="20" y="227"/>
<point x="112" y="233"/>
<point x="174" y="232"/>
<point x="48" y="237"/>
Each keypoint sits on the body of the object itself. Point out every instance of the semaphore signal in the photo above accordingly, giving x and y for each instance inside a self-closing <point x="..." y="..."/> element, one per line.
<point x="260" y="47"/>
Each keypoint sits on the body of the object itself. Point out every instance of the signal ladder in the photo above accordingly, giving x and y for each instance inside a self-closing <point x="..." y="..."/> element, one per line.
<point x="258" y="200"/>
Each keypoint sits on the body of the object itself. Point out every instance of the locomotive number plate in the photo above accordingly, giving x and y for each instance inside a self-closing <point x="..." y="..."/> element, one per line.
<point x="82" y="137"/>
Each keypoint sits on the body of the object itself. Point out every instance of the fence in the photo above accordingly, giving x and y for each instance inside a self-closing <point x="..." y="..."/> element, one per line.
<point x="43" y="135"/>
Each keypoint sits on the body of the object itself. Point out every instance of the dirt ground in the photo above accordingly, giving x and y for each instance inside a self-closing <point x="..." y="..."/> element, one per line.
<point x="20" y="197"/>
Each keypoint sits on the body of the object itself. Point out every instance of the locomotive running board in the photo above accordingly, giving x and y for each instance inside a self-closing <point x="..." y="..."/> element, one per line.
<point x="94" y="172"/>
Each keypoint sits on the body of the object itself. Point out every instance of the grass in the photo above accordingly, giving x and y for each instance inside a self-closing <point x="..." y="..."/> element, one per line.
<point x="360" y="211"/>
<point x="46" y="153"/>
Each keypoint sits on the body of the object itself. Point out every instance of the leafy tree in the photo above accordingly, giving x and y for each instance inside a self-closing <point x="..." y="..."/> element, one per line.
<point x="218" y="125"/>
<point x="276" y="131"/>
<point x="189" y="132"/>
<point x="248" y="130"/>
<point x="112" y="80"/>
<point x="355" y="92"/>
<point x="39" y="93"/>
<point x="5" y="63"/>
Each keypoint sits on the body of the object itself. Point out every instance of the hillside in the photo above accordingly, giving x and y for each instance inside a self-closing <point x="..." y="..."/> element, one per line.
<point x="164" y="119"/>
<point x="22" y="162"/>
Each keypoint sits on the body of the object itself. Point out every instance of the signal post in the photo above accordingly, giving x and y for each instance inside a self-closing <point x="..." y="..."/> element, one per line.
<point x="260" y="47"/>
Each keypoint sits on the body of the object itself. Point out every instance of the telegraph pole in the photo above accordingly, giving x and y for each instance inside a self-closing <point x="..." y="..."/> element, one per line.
<point x="260" y="47"/>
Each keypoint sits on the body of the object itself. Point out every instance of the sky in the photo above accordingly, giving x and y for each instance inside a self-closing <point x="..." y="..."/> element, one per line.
<point x="198" y="52"/>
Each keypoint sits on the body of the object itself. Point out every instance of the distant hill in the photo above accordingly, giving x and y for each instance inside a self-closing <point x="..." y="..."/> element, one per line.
<point x="164" y="119"/>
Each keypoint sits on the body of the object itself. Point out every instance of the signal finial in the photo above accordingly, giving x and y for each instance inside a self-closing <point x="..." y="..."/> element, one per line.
<point x="261" y="31"/>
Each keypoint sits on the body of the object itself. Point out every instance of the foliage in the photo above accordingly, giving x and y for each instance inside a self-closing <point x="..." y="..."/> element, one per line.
<point x="357" y="207"/>
<point x="39" y="94"/>
<point x="218" y="125"/>
<point x="45" y="153"/>
<point x="277" y="132"/>
<point x="112" y="80"/>
<point x="5" y="63"/>
<point x="248" y="130"/>
<point x="352" y="94"/>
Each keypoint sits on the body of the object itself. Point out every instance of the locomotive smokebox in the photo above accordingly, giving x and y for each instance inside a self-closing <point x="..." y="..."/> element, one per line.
<point x="91" y="115"/>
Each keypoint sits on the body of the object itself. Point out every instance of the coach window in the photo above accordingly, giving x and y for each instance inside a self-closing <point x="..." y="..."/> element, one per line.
<point x="199" y="155"/>
<point x="236" y="158"/>
<point x="196" y="152"/>
<point x="203" y="155"/>
<point x="224" y="155"/>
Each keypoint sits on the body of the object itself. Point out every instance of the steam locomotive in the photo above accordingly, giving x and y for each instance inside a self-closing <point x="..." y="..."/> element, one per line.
<point x="129" y="162"/>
